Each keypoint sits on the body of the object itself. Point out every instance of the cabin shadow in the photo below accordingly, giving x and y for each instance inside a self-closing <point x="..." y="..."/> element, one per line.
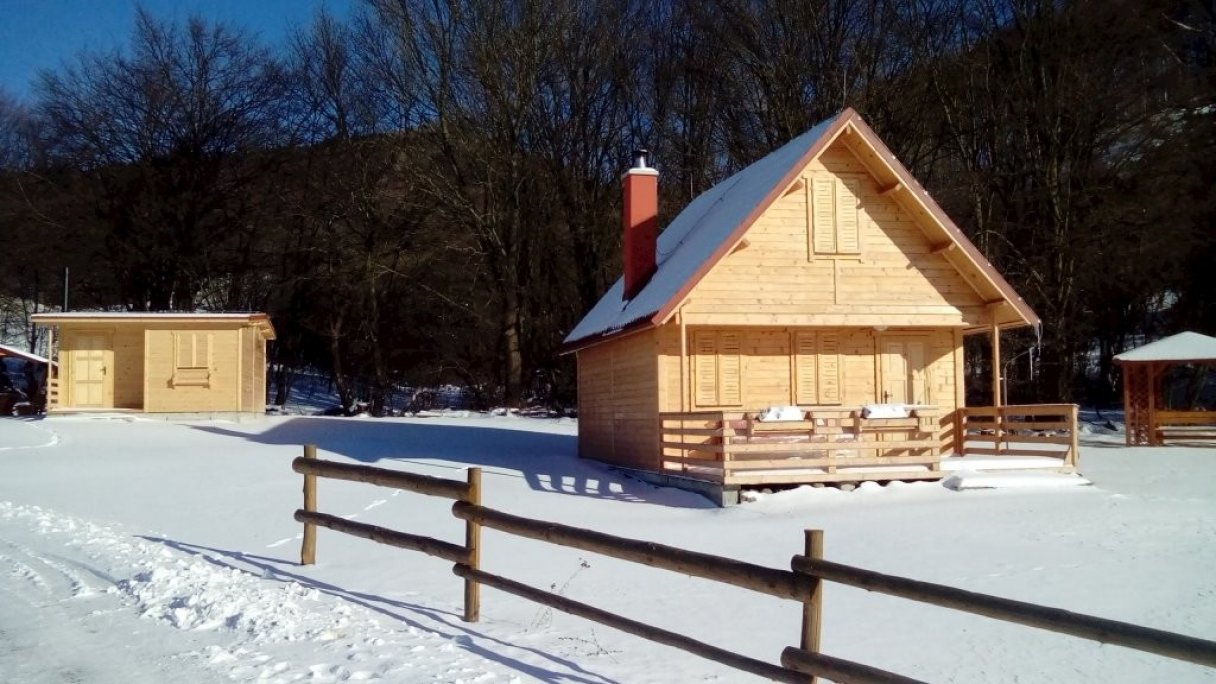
<point x="547" y="462"/>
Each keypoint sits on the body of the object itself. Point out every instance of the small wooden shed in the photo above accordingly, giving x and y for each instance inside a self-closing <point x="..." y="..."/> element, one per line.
<point x="159" y="362"/>
<point x="1149" y="419"/>
<point x="801" y="321"/>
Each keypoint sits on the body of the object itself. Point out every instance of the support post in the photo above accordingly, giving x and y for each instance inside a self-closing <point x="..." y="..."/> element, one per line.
<point x="996" y="364"/>
<point x="472" y="544"/>
<point x="812" y="609"/>
<point x="1074" y="448"/>
<point x="1151" y="424"/>
<point x="308" y="548"/>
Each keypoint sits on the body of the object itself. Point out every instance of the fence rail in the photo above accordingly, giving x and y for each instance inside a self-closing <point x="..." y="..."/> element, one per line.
<point x="803" y="583"/>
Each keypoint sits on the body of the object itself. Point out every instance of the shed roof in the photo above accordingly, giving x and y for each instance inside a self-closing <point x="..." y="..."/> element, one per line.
<point x="709" y="227"/>
<point x="254" y="317"/>
<point x="6" y="350"/>
<point x="1185" y="346"/>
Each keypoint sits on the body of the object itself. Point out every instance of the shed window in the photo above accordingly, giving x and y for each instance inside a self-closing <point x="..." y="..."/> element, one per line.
<point x="816" y="367"/>
<point x="834" y="208"/>
<point x="192" y="359"/>
<point x="718" y="368"/>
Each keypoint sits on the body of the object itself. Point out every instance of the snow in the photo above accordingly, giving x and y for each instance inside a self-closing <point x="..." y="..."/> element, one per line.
<point x="161" y="550"/>
<point x="970" y="479"/>
<point x="696" y="233"/>
<point x="1185" y="346"/>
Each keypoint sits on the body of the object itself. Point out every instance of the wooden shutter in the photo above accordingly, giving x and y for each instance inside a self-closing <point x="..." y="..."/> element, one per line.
<point x="916" y="369"/>
<point x="706" y="368"/>
<point x="829" y="368"/>
<point x="730" y="370"/>
<point x="848" y="216"/>
<point x="806" y="383"/>
<point x="823" y="198"/>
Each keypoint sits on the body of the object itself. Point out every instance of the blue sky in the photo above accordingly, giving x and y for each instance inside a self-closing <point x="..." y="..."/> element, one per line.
<point x="40" y="34"/>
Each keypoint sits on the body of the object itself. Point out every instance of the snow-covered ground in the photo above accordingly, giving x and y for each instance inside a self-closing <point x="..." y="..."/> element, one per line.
<point x="139" y="551"/>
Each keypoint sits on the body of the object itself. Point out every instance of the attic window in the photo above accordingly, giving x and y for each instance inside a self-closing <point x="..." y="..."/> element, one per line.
<point x="192" y="359"/>
<point x="834" y="214"/>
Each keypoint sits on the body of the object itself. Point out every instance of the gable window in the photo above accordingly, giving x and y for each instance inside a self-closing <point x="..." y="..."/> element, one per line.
<point x="717" y="372"/>
<point x="834" y="209"/>
<point x="192" y="359"/>
<point x="816" y="368"/>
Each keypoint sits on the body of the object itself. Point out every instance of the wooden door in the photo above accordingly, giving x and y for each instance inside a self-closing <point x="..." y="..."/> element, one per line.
<point x="90" y="376"/>
<point x="903" y="371"/>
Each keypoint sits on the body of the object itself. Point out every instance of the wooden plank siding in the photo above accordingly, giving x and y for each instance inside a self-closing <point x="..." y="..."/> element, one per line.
<point x="779" y="277"/>
<point x="220" y="390"/>
<point x="618" y="389"/>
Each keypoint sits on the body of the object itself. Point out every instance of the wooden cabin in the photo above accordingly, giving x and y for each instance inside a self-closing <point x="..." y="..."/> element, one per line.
<point x="821" y="283"/>
<point x="166" y="363"/>
<point x="1154" y="416"/>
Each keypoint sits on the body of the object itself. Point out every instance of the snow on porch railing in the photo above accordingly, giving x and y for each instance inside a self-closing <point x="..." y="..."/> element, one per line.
<point x="1025" y="430"/>
<point x="803" y="583"/>
<point x="831" y="444"/>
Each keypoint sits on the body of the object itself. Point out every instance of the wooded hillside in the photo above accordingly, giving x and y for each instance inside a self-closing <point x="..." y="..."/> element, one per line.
<point x="428" y="192"/>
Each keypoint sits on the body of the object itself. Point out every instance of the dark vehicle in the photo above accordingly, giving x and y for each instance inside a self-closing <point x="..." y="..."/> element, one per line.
<point x="20" y="392"/>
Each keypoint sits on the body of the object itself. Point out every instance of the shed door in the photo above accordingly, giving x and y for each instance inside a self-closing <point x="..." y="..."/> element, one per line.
<point x="903" y="371"/>
<point x="89" y="372"/>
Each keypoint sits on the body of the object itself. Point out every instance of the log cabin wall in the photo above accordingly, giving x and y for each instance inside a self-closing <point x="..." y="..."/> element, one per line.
<point x="618" y="389"/>
<point x="834" y="293"/>
<point x="773" y="372"/>
<point x="890" y="274"/>
<point x="192" y="367"/>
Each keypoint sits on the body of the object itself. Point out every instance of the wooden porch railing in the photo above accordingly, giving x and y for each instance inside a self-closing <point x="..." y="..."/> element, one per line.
<point x="1025" y="430"/>
<point x="736" y="448"/>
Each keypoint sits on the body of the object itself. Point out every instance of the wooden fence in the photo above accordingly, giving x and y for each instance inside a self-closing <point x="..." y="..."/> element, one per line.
<point x="803" y="583"/>
<point x="1046" y="430"/>
<point x="831" y="444"/>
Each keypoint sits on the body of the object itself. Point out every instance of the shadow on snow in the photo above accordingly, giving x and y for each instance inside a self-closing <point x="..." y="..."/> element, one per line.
<point x="548" y="462"/>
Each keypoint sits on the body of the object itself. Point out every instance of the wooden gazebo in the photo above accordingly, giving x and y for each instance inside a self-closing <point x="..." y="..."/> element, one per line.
<point x="1148" y="421"/>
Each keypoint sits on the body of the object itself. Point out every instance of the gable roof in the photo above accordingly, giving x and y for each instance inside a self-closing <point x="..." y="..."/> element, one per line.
<point x="1185" y="346"/>
<point x="709" y="228"/>
<point x="261" y="320"/>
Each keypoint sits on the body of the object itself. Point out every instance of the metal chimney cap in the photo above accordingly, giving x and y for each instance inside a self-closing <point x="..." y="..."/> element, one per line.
<point x="639" y="158"/>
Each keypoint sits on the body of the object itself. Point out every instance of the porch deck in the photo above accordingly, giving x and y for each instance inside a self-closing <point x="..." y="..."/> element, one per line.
<point x="837" y="444"/>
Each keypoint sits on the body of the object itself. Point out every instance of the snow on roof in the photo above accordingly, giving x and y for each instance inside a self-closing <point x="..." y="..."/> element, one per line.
<point x="691" y="239"/>
<point x="1185" y="346"/>
<point x="6" y="350"/>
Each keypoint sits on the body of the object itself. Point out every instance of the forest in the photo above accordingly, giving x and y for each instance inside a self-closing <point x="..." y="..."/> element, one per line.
<point x="426" y="192"/>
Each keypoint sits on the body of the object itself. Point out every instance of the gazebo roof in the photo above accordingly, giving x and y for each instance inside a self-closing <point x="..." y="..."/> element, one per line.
<point x="1185" y="346"/>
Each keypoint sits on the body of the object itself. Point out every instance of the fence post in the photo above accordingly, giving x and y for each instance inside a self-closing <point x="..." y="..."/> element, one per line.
<point x="472" y="543"/>
<point x="812" y="609"/>
<point x="1074" y="449"/>
<point x="308" y="548"/>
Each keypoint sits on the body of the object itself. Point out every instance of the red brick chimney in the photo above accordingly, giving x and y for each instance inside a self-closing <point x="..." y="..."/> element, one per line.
<point x="640" y="222"/>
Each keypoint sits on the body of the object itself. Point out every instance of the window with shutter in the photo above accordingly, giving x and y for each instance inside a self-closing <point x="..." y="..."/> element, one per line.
<point x="848" y="216"/>
<point x="718" y="371"/>
<point x="823" y="200"/>
<point x="835" y="215"/>
<point x="730" y="370"/>
<point x="192" y="359"/>
<point x="806" y="381"/>
<point x="829" y="368"/>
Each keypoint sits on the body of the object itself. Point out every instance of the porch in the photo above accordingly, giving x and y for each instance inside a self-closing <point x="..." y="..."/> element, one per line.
<point x="842" y="444"/>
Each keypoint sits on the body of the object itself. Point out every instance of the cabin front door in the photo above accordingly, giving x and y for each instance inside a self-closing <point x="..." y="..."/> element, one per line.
<point x="902" y="368"/>
<point x="90" y="376"/>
